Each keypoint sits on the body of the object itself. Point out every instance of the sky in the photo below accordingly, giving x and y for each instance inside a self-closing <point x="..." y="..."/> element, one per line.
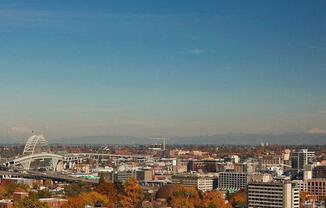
<point x="162" y="68"/>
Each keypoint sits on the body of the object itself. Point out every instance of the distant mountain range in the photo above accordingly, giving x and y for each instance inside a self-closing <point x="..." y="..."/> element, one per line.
<point x="241" y="139"/>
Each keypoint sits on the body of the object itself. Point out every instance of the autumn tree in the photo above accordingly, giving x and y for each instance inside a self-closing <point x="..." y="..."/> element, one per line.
<point x="8" y="188"/>
<point x="30" y="202"/>
<point x="185" y="197"/>
<point x="305" y="196"/>
<point x="44" y="193"/>
<point x="132" y="194"/>
<point x="3" y="186"/>
<point x="239" y="199"/>
<point x="214" y="199"/>
<point x="107" y="189"/>
<point x="87" y="198"/>
<point x="76" y="188"/>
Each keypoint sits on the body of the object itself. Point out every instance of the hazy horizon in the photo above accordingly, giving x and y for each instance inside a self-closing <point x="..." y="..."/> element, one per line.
<point x="221" y="139"/>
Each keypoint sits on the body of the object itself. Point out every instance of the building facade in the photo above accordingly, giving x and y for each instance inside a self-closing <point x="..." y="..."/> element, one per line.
<point x="203" y="183"/>
<point x="273" y="194"/>
<point x="301" y="158"/>
<point x="232" y="180"/>
<point x="317" y="186"/>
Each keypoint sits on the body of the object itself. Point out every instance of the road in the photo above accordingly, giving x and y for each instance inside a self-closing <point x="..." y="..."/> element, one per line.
<point x="46" y="175"/>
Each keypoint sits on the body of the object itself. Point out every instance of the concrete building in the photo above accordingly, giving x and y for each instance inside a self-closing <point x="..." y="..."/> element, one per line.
<point x="245" y="167"/>
<point x="17" y="196"/>
<point x="232" y="180"/>
<point x="273" y="194"/>
<point x="267" y="162"/>
<point x="54" y="202"/>
<point x="203" y="183"/>
<point x="6" y="203"/>
<point x="237" y="181"/>
<point x="319" y="171"/>
<point x="260" y="177"/>
<point x="302" y="185"/>
<point x="122" y="176"/>
<point x="204" y="166"/>
<point x="317" y="186"/>
<point x="181" y="166"/>
<point x="144" y="174"/>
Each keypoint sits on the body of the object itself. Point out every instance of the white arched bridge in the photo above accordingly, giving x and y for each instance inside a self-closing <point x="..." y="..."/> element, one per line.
<point x="36" y="154"/>
<point x="26" y="161"/>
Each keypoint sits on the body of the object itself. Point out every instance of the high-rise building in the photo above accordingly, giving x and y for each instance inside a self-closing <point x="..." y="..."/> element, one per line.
<point x="301" y="158"/>
<point x="281" y="194"/>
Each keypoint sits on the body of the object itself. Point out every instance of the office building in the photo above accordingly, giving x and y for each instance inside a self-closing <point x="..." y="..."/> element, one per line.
<point x="301" y="158"/>
<point x="232" y="180"/>
<point x="273" y="194"/>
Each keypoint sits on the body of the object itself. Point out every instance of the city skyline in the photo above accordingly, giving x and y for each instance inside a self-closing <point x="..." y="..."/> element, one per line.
<point x="162" y="68"/>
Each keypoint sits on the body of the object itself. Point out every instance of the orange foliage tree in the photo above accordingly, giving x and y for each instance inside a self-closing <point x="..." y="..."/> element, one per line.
<point x="214" y="199"/>
<point x="185" y="197"/>
<point x="30" y="202"/>
<point x="239" y="199"/>
<point x="107" y="189"/>
<point x="7" y="188"/>
<point x="305" y="196"/>
<point x="87" y="198"/>
<point x="132" y="194"/>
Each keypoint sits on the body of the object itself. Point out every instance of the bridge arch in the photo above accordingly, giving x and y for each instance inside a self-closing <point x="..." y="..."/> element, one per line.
<point x="25" y="161"/>
<point x="36" y="144"/>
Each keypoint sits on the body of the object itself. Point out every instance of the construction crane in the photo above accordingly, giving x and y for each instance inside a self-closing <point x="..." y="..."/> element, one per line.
<point x="163" y="139"/>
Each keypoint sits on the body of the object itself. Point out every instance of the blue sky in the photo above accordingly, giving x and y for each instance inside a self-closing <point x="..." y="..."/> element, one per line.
<point x="162" y="68"/>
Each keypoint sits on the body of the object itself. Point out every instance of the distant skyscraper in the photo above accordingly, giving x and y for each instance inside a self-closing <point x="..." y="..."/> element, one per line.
<point x="301" y="158"/>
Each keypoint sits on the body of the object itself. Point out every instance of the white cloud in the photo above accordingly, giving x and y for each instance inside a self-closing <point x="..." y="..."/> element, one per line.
<point x="196" y="51"/>
<point x="19" y="131"/>
<point x="316" y="131"/>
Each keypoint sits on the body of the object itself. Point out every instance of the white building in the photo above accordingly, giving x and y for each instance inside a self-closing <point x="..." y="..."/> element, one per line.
<point x="273" y="194"/>
<point x="302" y="185"/>
<point x="202" y="182"/>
